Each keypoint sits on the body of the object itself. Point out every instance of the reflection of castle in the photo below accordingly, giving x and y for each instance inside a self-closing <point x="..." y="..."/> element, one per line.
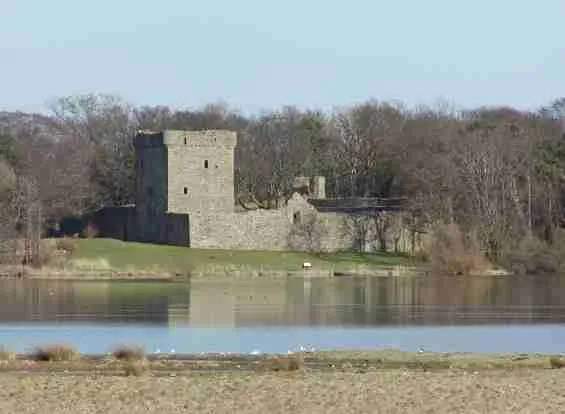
<point x="185" y="196"/>
<point x="178" y="313"/>
<point x="294" y="301"/>
<point x="233" y="303"/>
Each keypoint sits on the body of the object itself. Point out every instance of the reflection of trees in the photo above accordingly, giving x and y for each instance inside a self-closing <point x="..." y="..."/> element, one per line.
<point x="434" y="300"/>
<point x="385" y="301"/>
<point x="30" y="300"/>
<point x="481" y="300"/>
<point x="48" y="301"/>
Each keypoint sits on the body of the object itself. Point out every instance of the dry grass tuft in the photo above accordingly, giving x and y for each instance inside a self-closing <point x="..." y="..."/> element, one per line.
<point x="291" y="362"/>
<point x="55" y="353"/>
<point x="129" y="353"/>
<point x="6" y="354"/>
<point x="556" y="362"/>
<point x="132" y="359"/>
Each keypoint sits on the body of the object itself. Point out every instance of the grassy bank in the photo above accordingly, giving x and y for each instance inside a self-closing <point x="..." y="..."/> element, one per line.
<point x="136" y="259"/>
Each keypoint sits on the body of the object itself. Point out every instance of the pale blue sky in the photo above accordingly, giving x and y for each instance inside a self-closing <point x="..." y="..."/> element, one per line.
<point x="265" y="54"/>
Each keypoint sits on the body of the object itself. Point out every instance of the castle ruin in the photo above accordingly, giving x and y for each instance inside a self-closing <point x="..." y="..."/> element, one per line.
<point x="185" y="196"/>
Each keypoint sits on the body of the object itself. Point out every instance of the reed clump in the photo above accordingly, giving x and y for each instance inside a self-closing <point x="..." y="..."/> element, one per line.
<point x="556" y="362"/>
<point x="129" y="353"/>
<point x="55" y="353"/>
<point x="133" y="360"/>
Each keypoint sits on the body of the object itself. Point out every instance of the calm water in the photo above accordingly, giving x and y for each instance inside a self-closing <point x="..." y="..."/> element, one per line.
<point x="481" y="314"/>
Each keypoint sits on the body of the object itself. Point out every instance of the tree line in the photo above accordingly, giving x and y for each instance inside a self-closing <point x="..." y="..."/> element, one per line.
<point x="498" y="173"/>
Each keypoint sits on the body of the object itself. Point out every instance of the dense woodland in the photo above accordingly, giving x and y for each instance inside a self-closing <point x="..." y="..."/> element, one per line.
<point x="498" y="173"/>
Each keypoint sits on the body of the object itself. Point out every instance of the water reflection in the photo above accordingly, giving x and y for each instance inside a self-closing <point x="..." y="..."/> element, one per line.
<point x="104" y="302"/>
<point x="358" y="301"/>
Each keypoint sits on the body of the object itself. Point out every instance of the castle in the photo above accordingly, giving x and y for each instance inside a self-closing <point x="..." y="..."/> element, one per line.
<point x="185" y="196"/>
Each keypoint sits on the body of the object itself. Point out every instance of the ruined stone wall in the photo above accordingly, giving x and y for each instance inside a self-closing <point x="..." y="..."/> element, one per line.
<point x="122" y="223"/>
<point x="200" y="171"/>
<point x="115" y="222"/>
<point x="314" y="231"/>
<point x="297" y="226"/>
<point x="254" y="230"/>
<point x="264" y="230"/>
<point x="267" y="229"/>
<point x="174" y="229"/>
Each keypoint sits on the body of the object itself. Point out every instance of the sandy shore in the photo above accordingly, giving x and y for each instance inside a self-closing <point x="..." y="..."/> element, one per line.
<point x="382" y="391"/>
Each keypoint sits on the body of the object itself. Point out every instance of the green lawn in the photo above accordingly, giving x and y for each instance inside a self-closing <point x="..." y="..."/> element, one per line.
<point x="142" y="256"/>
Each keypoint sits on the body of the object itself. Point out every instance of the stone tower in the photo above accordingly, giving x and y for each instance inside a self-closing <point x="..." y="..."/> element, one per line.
<point x="183" y="172"/>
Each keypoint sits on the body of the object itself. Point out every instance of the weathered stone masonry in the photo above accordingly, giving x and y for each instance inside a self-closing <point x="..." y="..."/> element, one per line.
<point x="179" y="173"/>
<point x="185" y="196"/>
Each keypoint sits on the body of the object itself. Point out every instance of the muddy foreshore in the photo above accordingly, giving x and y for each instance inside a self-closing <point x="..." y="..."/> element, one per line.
<point x="325" y="382"/>
<point x="325" y="361"/>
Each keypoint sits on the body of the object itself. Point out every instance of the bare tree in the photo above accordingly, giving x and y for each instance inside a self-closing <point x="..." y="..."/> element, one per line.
<point x="7" y="228"/>
<point x="273" y="150"/>
<point x="103" y="127"/>
<point x="365" y="134"/>
<point x="29" y="220"/>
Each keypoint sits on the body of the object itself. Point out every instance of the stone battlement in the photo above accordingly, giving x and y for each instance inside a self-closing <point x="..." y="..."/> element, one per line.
<point x="190" y="139"/>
